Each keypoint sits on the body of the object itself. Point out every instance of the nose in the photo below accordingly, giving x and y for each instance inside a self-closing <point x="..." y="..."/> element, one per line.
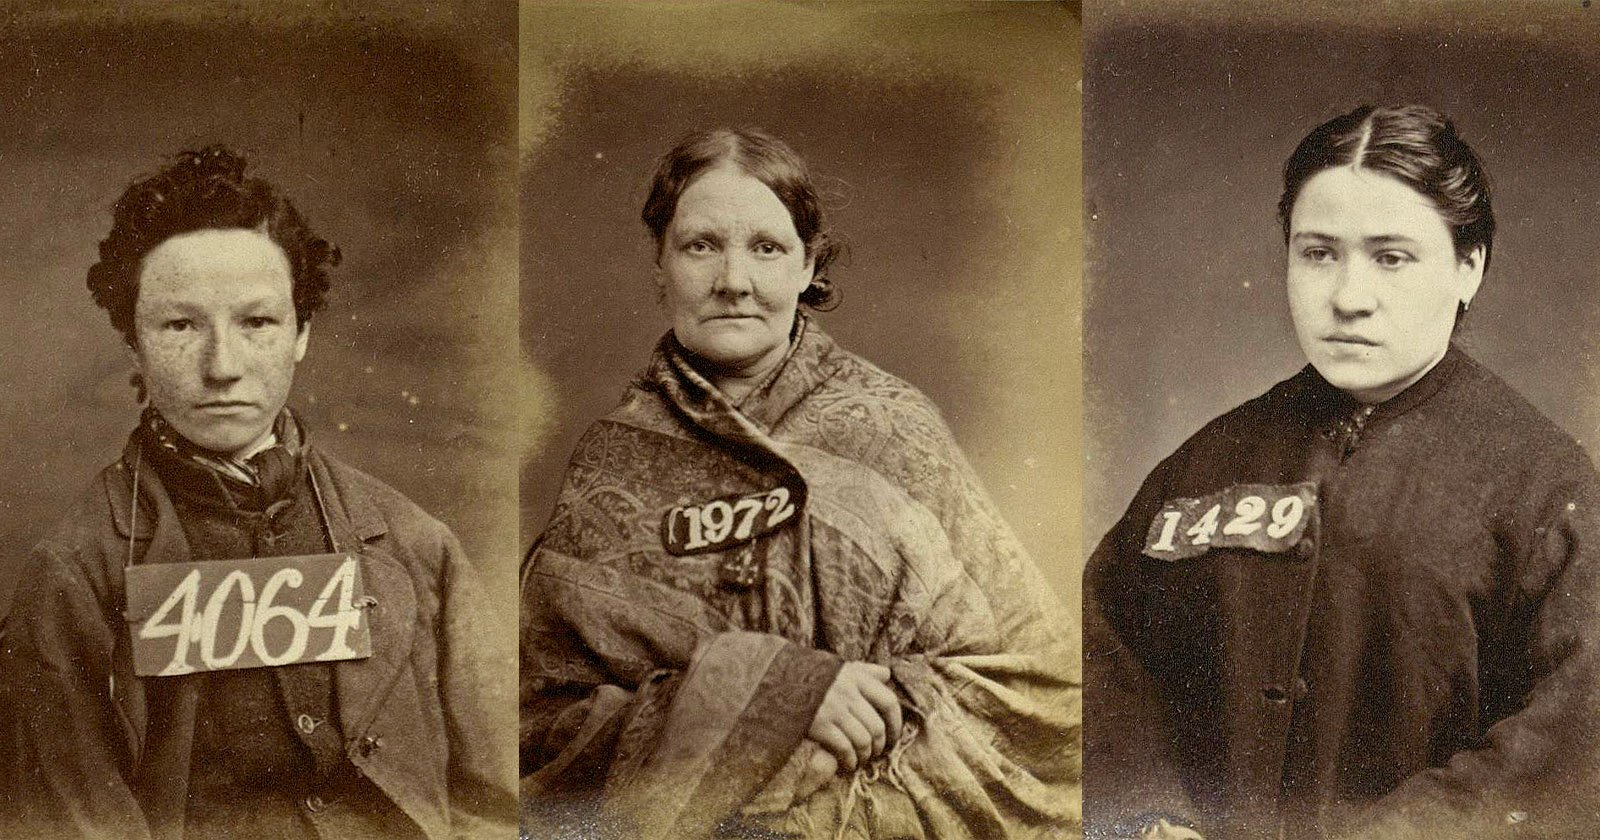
<point x="1355" y="290"/>
<point x="733" y="276"/>
<point x="222" y="358"/>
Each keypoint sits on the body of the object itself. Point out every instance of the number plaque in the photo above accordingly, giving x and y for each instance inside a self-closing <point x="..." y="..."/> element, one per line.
<point x="251" y="613"/>
<point x="1270" y="518"/>
<point x="725" y="522"/>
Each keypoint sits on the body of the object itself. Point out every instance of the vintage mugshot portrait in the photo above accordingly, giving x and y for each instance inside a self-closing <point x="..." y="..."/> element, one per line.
<point x="1340" y="326"/>
<point x="800" y="285"/>
<point x="258" y="527"/>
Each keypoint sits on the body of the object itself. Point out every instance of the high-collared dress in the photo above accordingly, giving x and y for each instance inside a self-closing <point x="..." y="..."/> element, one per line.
<point x="1422" y="661"/>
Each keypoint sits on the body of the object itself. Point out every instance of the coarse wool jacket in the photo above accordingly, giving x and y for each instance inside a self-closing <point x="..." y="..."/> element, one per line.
<point x="1423" y="662"/>
<point x="86" y="755"/>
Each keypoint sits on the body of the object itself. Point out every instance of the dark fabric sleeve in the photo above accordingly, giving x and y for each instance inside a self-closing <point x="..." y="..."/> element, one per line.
<point x="1130" y="774"/>
<point x="636" y="723"/>
<point x="1536" y="773"/>
<point x="67" y="750"/>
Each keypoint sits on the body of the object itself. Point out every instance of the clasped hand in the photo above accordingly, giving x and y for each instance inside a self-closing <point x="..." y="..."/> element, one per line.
<point x="859" y="717"/>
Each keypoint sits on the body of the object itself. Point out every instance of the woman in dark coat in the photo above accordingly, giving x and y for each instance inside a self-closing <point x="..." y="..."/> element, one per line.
<point x="1367" y="603"/>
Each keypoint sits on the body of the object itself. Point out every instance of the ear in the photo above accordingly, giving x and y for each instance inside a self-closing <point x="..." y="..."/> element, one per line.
<point x="1469" y="274"/>
<point x="301" y="340"/>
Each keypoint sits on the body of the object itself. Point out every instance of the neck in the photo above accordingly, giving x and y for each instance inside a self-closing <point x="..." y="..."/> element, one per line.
<point x="1388" y="392"/>
<point x="737" y="384"/>
<point x="267" y="440"/>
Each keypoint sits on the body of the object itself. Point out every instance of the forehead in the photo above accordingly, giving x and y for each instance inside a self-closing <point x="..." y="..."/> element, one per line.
<point x="215" y="267"/>
<point x="1350" y="201"/>
<point x="726" y="197"/>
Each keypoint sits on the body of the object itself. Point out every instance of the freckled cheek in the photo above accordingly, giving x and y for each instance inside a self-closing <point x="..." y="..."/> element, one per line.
<point x="169" y="370"/>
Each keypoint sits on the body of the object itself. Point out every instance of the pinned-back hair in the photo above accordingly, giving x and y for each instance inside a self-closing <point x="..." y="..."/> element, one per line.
<point x="1413" y="143"/>
<point x="766" y="159"/>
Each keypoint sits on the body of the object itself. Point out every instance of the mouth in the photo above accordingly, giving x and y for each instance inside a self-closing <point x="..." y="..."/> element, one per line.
<point x="732" y="316"/>
<point x="225" y="406"/>
<point x="1347" y="338"/>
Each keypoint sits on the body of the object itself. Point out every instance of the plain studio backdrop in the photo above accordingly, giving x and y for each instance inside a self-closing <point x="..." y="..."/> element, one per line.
<point x="945" y="141"/>
<point x="1191" y="110"/>
<point x="392" y="128"/>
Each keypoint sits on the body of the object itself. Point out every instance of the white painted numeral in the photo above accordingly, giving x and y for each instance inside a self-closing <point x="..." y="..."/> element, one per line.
<point x="1201" y="533"/>
<point x="1246" y="512"/>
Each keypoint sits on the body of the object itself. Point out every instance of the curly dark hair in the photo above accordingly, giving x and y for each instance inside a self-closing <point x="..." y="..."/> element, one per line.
<point x="768" y="160"/>
<point x="203" y="190"/>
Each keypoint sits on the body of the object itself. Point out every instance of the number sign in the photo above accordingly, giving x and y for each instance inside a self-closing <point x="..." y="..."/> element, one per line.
<point x="252" y="613"/>
<point x="1264" y="517"/>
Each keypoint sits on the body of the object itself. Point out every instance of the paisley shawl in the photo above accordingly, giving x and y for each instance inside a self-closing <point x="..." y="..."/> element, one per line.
<point x="658" y="702"/>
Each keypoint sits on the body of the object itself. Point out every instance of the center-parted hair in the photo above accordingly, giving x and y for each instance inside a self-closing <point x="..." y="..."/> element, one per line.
<point x="766" y="159"/>
<point x="1413" y="143"/>
<point x="204" y="190"/>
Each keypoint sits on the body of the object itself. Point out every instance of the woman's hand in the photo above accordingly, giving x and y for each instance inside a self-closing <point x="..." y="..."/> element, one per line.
<point x="860" y="716"/>
<point x="820" y="769"/>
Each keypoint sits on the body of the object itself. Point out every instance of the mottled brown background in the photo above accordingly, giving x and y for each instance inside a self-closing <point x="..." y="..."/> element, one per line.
<point x="946" y="139"/>
<point x="1191" y="110"/>
<point x="392" y="126"/>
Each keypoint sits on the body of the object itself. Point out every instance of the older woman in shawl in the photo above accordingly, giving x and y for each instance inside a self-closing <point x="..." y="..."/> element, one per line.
<point x="772" y="597"/>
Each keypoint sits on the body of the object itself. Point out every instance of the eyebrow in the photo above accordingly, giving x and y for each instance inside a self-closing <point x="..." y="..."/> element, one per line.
<point x="186" y="306"/>
<point x="1381" y="239"/>
<point x="690" y="234"/>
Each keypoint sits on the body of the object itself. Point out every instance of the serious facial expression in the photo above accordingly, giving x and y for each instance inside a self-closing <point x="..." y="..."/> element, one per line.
<point x="731" y="269"/>
<point x="216" y="340"/>
<point x="1374" y="281"/>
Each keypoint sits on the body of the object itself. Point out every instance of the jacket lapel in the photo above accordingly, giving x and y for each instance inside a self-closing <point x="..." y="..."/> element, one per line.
<point x="357" y="527"/>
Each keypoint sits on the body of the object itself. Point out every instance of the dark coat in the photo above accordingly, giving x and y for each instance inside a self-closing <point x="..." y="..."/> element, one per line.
<point x="1424" y="663"/>
<point x="88" y="755"/>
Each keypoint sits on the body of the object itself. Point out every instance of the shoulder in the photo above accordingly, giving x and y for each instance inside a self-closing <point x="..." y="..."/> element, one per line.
<point x="1485" y="405"/>
<point x="846" y="379"/>
<point x="362" y="495"/>
<point x="76" y="560"/>
<point x="1279" y="414"/>
<point x="1502" y="428"/>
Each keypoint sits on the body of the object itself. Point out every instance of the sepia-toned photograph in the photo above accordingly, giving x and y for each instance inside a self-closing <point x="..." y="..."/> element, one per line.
<point x="799" y="300"/>
<point x="259" y="527"/>
<point x="1341" y="412"/>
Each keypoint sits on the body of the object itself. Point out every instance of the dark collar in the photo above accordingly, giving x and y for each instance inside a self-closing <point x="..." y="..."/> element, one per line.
<point x="1331" y="404"/>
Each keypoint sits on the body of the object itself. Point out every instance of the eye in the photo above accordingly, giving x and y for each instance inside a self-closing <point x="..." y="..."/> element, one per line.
<point x="178" y="325"/>
<point x="1393" y="259"/>
<point x="770" y="249"/>
<point x="258" y="322"/>
<point x="1319" y="254"/>
<point x="699" y="246"/>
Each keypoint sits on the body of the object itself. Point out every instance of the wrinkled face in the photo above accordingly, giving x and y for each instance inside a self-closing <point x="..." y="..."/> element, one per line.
<point x="1373" y="280"/>
<point x="216" y="336"/>
<point x="731" y="269"/>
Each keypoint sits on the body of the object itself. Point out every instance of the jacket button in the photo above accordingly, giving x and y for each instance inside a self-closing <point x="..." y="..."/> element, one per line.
<point x="315" y="803"/>
<point x="1275" y="694"/>
<point x="306" y="723"/>
<point x="369" y="745"/>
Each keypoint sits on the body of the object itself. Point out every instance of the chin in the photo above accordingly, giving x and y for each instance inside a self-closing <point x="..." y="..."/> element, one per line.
<point x="727" y="354"/>
<point x="1349" y="376"/>
<point x="224" y="440"/>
